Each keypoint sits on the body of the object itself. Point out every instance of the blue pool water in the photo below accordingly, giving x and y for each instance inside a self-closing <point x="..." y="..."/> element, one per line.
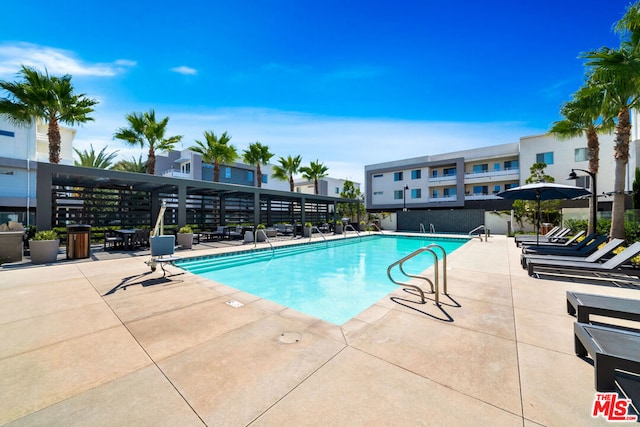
<point x="333" y="280"/>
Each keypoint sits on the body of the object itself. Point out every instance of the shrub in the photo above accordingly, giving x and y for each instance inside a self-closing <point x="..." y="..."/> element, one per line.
<point x="261" y="227"/>
<point x="186" y="229"/>
<point x="45" y="235"/>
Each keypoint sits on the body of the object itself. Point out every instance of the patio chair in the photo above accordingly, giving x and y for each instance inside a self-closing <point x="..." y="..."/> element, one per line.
<point x="585" y="247"/>
<point x="234" y="233"/>
<point x="613" y="265"/>
<point x="610" y="349"/>
<point x="162" y="250"/>
<point x="554" y="238"/>
<point x="560" y="242"/>
<point x="583" y="305"/>
<point x="113" y="240"/>
<point x="595" y="256"/>
<point x="527" y="237"/>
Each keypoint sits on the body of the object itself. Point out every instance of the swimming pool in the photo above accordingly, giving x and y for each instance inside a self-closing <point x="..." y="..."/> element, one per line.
<point x="333" y="280"/>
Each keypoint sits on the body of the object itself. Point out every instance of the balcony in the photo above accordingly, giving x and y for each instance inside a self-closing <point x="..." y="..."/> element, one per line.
<point x="481" y="196"/>
<point x="443" y="199"/>
<point x="508" y="174"/>
<point x="172" y="173"/>
<point x="445" y="179"/>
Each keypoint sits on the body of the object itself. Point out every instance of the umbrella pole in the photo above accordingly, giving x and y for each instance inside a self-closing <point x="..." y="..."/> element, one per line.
<point x="538" y="230"/>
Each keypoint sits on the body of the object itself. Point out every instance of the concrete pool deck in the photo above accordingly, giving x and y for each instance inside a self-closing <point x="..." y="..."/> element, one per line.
<point x="110" y="343"/>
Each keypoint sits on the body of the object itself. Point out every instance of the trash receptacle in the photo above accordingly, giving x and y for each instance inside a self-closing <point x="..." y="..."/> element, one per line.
<point x="78" y="241"/>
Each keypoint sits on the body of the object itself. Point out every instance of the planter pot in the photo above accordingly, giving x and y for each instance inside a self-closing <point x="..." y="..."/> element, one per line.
<point x="11" y="246"/>
<point x="185" y="240"/>
<point x="260" y="233"/>
<point x="306" y="232"/>
<point x="338" y="229"/>
<point x="363" y="227"/>
<point x="44" y="251"/>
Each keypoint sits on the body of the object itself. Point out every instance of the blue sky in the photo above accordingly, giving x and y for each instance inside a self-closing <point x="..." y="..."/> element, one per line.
<point x="348" y="83"/>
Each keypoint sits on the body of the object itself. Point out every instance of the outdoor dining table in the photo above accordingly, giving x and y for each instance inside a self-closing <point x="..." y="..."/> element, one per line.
<point x="127" y="237"/>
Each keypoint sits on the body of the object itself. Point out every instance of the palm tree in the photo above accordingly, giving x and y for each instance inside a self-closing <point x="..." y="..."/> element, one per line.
<point x="314" y="172"/>
<point x="258" y="155"/>
<point x="90" y="159"/>
<point x="583" y="116"/>
<point x="216" y="150"/>
<point x="145" y="130"/>
<point x="49" y="98"/>
<point x="287" y="168"/>
<point x="133" y="165"/>
<point x="617" y="72"/>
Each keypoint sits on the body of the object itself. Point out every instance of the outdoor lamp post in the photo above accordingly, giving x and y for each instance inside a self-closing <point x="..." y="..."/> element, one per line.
<point x="404" y="198"/>
<point x="594" y="197"/>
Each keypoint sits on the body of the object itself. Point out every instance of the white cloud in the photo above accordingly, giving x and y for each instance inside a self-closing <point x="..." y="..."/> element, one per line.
<point x="56" y="61"/>
<point x="183" y="69"/>
<point x="345" y="145"/>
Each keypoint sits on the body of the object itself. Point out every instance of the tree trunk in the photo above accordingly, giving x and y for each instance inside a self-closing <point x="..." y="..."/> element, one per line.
<point x="259" y="175"/>
<point x="593" y="148"/>
<point x="216" y="172"/>
<point x="315" y="184"/>
<point x="151" y="162"/>
<point x="621" y="154"/>
<point x="291" y="186"/>
<point x="54" y="141"/>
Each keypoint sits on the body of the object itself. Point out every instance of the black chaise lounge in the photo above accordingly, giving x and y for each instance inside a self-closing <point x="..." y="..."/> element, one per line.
<point x="560" y="242"/>
<point x="596" y="256"/>
<point x="584" y="305"/>
<point x="611" y="349"/>
<point x="558" y="237"/>
<point x="614" y="265"/>
<point x="585" y="247"/>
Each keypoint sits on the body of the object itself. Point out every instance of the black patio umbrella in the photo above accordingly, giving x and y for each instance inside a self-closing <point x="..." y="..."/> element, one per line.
<point x="543" y="191"/>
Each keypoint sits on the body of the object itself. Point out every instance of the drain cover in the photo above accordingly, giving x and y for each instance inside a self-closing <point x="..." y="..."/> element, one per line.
<point x="235" y="304"/>
<point x="289" y="338"/>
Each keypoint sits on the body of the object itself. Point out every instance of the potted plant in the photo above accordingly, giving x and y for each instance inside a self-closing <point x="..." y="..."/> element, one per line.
<point x="363" y="226"/>
<point x="338" y="227"/>
<point x="306" y="232"/>
<point x="185" y="237"/>
<point x="43" y="247"/>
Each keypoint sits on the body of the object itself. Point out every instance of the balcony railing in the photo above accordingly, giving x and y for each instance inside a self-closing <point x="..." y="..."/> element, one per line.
<point x="442" y="178"/>
<point x="481" y="196"/>
<point x="443" y="199"/>
<point x="176" y="174"/>
<point x="487" y="174"/>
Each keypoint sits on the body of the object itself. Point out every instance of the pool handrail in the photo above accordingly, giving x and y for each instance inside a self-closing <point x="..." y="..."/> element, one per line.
<point x="444" y="266"/>
<point x="266" y="238"/>
<point x="346" y="227"/>
<point x="434" y="286"/>
<point x="478" y="228"/>
<point x="315" y="227"/>
<point x="422" y="229"/>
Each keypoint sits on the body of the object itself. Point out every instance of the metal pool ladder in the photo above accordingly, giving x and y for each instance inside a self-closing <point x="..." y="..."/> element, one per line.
<point x="478" y="228"/>
<point x="434" y="285"/>
<point x="349" y="226"/>
<point x="266" y="238"/>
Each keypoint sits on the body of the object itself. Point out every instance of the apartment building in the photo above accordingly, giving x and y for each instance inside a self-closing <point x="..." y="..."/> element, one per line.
<point x="326" y="186"/>
<point x="472" y="178"/>
<point x="21" y="147"/>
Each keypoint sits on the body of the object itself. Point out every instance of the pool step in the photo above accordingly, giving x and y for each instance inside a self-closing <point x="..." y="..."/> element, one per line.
<point x="213" y="263"/>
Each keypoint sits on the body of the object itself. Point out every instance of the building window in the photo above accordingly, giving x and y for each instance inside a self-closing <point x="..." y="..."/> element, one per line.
<point x="250" y="176"/>
<point x="581" y="155"/>
<point x="481" y="168"/>
<point x="496" y="189"/>
<point x="378" y="193"/>
<point x="337" y="190"/>
<point x="496" y="167"/>
<point x="510" y="164"/>
<point x="434" y="173"/>
<point x="378" y="175"/>
<point x="583" y="181"/>
<point x="398" y="176"/>
<point x="397" y="194"/>
<point x="416" y="174"/>
<point x="265" y="178"/>
<point x="227" y="172"/>
<point x="449" y="192"/>
<point x="546" y="158"/>
<point x="416" y="193"/>
<point x="512" y="185"/>
<point x="7" y="133"/>
<point x="185" y="168"/>
<point x="480" y="190"/>
<point x="450" y="172"/>
<point x="434" y="193"/>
